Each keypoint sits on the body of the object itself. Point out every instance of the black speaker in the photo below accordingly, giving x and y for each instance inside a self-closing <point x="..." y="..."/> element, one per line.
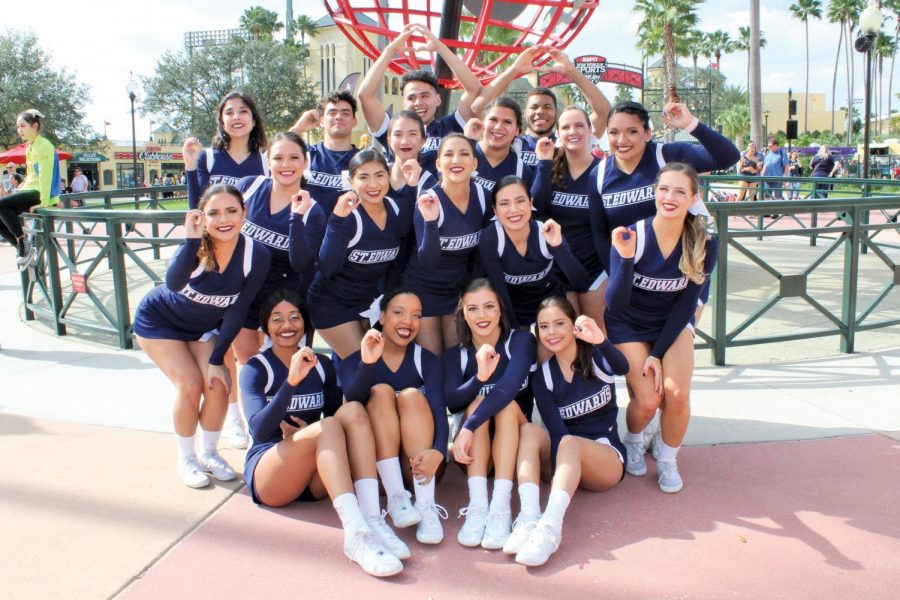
<point x="791" y="129"/>
<point x="792" y="108"/>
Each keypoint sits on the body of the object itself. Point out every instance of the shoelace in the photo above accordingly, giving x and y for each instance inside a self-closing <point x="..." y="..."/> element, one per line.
<point x="393" y="502"/>
<point x="546" y="532"/>
<point x="495" y="517"/>
<point x="434" y="509"/>
<point x="470" y="510"/>
<point x="523" y="522"/>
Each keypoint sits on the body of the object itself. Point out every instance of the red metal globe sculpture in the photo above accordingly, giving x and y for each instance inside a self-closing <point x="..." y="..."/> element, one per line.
<point x="371" y="24"/>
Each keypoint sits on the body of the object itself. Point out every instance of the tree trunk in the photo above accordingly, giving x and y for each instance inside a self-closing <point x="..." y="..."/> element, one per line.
<point x="669" y="59"/>
<point x="837" y="62"/>
<point x="849" y="84"/>
<point x="755" y="76"/>
<point x="806" y="90"/>
<point x="891" y="76"/>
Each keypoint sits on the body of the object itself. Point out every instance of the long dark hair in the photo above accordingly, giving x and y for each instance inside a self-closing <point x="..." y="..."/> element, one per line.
<point x="257" y="139"/>
<point x="560" y="168"/>
<point x="293" y="137"/>
<point x="206" y="253"/>
<point x="506" y="181"/>
<point x="291" y="297"/>
<point x="509" y="103"/>
<point x="386" y="301"/>
<point x="364" y="157"/>
<point x="630" y="107"/>
<point x="32" y="116"/>
<point x="462" y="328"/>
<point x="584" y="355"/>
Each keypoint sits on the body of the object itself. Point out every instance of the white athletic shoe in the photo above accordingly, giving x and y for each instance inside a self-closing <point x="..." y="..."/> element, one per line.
<point x="216" y="466"/>
<point x="234" y="432"/>
<point x="472" y="531"/>
<point x="27" y="258"/>
<point x="364" y="549"/>
<point x="634" y="461"/>
<point x="401" y="510"/>
<point x="542" y="542"/>
<point x="192" y="472"/>
<point x="430" y="530"/>
<point x="496" y="530"/>
<point x="388" y="538"/>
<point x="668" y="477"/>
<point x="522" y="528"/>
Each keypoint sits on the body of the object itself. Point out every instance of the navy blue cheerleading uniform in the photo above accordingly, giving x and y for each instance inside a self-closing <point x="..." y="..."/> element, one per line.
<point x="434" y="133"/>
<point x="509" y="381"/>
<point x="327" y="175"/>
<point x="269" y="399"/>
<point x="524" y="281"/>
<point x="441" y="265"/>
<point x="525" y="146"/>
<point x="293" y="241"/>
<point x="195" y="302"/>
<point x="217" y="167"/>
<point x="582" y="408"/>
<point x="569" y="208"/>
<point x="618" y="199"/>
<point x="420" y="369"/>
<point x="487" y="175"/>
<point x="649" y="299"/>
<point x="354" y="264"/>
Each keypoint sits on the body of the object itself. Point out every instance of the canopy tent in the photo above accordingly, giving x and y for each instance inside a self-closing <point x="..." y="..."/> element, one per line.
<point x="16" y="154"/>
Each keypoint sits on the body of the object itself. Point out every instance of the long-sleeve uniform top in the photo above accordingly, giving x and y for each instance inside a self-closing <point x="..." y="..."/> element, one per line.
<point x="419" y="370"/>
<point x="461" y="385"/>
<point x="649" y="299"/>
<point x="217" y="167"/>
<point x="327" y="175"/>
<point x="524" y="281"/>
<point x="586" y="409"/>
<point x="195" y="301"/>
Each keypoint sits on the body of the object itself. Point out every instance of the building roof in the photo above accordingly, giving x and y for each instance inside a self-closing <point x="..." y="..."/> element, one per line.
<point x="327" y="21"/>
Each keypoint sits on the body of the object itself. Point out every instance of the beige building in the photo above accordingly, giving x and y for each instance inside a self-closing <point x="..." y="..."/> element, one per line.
<point x="336" y="63"/>
<point x="776" y="105"/>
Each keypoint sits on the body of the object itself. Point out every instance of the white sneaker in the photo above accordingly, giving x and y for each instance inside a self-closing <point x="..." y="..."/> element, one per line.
<point x="27" y="258"/>
<point x="472" y="531"/>
<point x="402" y="512"/>
<point x="521" y="529"/>
<point x="191" y="472"/>
<point x="234" y="432"/>
<point x="542" y="542"/>
<point x="496" y="530"/>
<point x="364" y="549"/>
<point x="634" y="461"/>
<point x="668" y="477"/>
<point x="388" y="538"/>
<point x="216" y="466"/>
<point x="430" y="530"/>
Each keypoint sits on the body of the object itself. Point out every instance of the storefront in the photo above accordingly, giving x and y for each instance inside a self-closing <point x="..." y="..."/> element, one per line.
<point x="89" y="163"/>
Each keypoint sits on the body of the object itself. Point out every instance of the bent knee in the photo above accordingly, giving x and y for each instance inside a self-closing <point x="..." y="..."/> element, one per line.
<point x="409" y="397"/>
<point x="381" y="395"/>
<point x="530" y="431"/>
<point x="677" y="396"/>
<point x="352" y="414"/>
<point x="190" y="385"/>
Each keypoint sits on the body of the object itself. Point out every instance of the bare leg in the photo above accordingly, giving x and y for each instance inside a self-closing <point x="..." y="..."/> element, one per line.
<point x="382" y="409"/>
<point x="416" y="422"/>
<point x="595" y="466"/>
<point x="177" y="363"/>
<point x="287" y="468"/>
<point x="246" y="344"/>
<point x="360" y="440"/>
<point x="481" y="445"/>
<point x="644" y="400"/>
<point x="215" y="400"/>
<point x="451" y="339"/>
<point x="345" y="338"/>
<point x="678" y="368"/>
<point x="534" y="453"/>
<point x="431" y="335"/>
<point x="506" y="440"/>
<point x="593" y="304"/>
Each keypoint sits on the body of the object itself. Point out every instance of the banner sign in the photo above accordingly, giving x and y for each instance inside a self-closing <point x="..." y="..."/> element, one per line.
<point x="597" y="69"/>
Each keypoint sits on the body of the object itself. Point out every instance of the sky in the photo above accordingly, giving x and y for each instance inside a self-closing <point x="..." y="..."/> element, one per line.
<point x="103" y="41"/>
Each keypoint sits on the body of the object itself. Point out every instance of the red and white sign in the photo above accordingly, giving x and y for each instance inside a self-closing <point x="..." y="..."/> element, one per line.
<point x="79" y="283"/>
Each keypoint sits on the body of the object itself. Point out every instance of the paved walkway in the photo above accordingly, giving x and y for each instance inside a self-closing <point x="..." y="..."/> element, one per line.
<point x="91" y="506"/>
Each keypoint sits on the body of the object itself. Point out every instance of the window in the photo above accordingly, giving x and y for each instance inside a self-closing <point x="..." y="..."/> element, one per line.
<point x="125" y="175"/>
<point x="395" y="86"/>
<point x="107" y="177"/>
<point x="387" y="84"/>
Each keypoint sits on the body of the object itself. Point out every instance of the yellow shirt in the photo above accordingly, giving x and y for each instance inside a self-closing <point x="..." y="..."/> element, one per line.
<point x="42" y="170"/>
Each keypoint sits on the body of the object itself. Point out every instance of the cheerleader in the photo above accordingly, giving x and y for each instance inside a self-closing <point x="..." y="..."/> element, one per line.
<point x="519" y="254"/>
<point x="306" y="445"/>
<point x="495" y="135"/>
<point x="447" y="224"/>
<point x="562" y="186"/>
<point x="362" y="241"/>
<point x="575" y="393"/>
<point x="187" y="325"/>
<point x="486" y="378"/>
<point x="399" y="382"/>
<point x="237" y="147"/>
<point x="658" y="268"/>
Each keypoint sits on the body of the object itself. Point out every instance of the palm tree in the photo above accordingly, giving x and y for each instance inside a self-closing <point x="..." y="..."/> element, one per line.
<point x="693" y="47"/>
<point x="743" y="43"/>
<point x="754" y="72"/>
<point x="305" y="26"/>
<point x="805" y="10"/>
<point x="720" y="43"/>
<point x="894" y="7"/>
<point x="884" y="47"/>
<point x="260" y="22"/>
<point x="845" y="13"/>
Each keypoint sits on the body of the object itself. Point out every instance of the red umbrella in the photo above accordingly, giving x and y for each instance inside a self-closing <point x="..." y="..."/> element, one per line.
<point x="16" y="154"/>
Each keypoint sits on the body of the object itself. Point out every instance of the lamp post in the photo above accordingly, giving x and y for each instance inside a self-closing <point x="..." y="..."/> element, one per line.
<point x="132" y="89"/>
<point x="869" y="25"/>
<point x="766" y="127"/>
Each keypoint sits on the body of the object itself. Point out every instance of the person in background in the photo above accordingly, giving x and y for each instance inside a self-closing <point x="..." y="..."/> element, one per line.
<point x="79" y="184"/>
<point x="750" y="164"/>
<point x="824" y="165"/>
<point x="795" y="169"/>
<point x="775" y="164"/>
<point x="8" y="186"/>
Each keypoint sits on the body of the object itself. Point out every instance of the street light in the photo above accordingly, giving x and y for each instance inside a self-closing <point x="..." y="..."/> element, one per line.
<point x="131" y="88"/>
<point x="869" y="25"/>
<point x="766" y="115"/>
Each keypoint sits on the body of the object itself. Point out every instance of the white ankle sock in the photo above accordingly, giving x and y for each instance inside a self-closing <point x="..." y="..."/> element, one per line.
<point x="478" y="491"/>
<point x="634" y="438"/>
<point x="347" y="509"/>
<point x="667" y="453"/>
<point x="367" y="497"/>
<point x="556" y="508"/>
<point x="391" y="475"/>
<point x="209" y="440"/>
<point x="529" y="499"/>
<point x="186" y="446"/>
<point x="500" y="501"/>
<point x="424" y="492"/>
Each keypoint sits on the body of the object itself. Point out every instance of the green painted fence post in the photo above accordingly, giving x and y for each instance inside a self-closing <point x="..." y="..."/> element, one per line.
<point x="851" y="280"/>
